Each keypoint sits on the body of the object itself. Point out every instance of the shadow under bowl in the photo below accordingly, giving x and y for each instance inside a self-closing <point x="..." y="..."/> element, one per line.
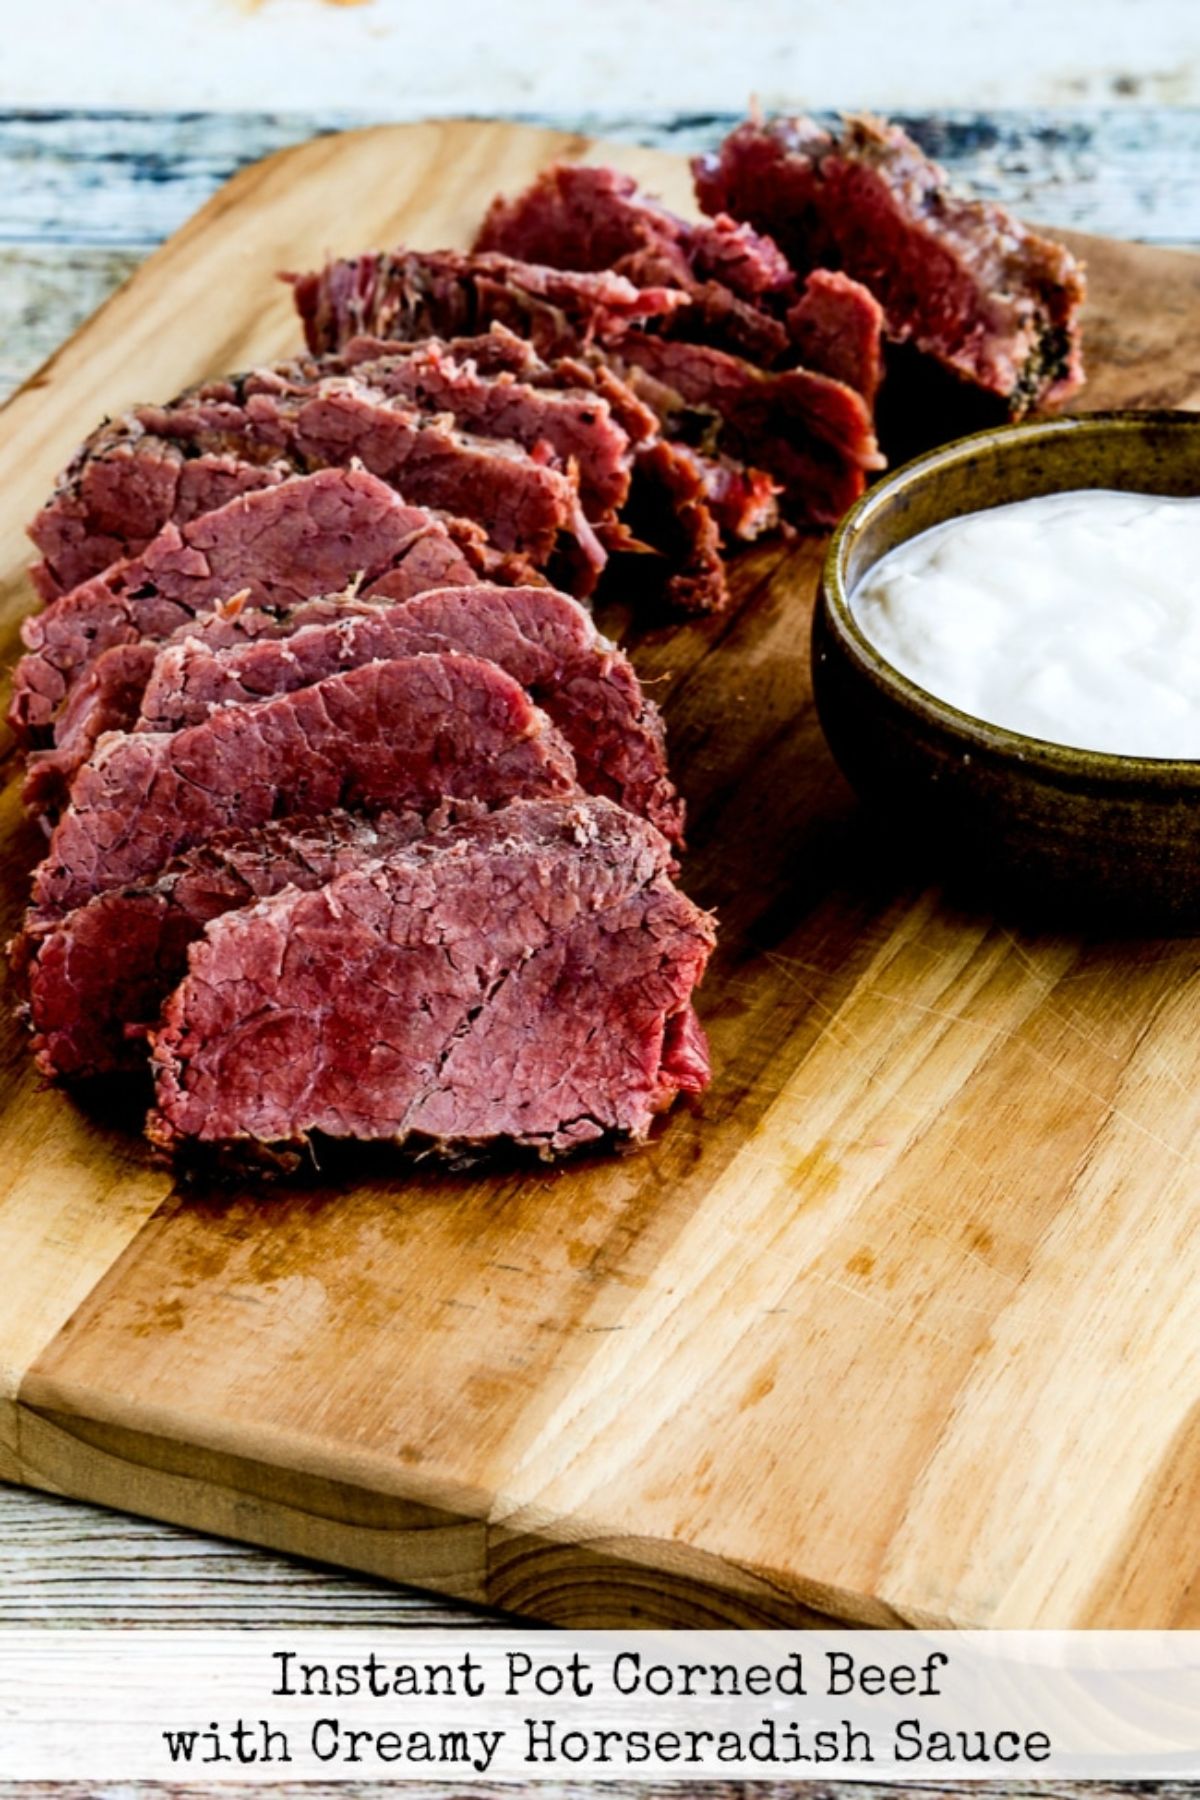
<point x="1081" y="837"/>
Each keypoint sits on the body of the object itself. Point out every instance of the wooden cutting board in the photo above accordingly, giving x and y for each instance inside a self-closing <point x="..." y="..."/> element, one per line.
<point x="900" y="1324"/>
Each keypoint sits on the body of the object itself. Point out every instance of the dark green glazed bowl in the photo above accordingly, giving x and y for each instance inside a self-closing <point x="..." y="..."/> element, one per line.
<point x="1079" y="834"/>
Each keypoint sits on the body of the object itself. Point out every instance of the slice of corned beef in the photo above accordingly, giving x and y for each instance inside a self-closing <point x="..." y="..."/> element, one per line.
<point x="588" y="217"/>
<point x="96" y="981"/>
<point x="103" y="509"/>
<point x="523" y="504"/>
<point x="500" y="351"/>
<point x="814" y="434"/>
<point x="837" y="329"/>
<point x="577" y="426"/>
<point x="669" y="512"/>
<point x="578" y="217"/>
<point x="744" y="501"/>
<point x="309" y="535"/>
<point x="496" y="351"/>
<point x="682" y="501"/>
<point x="963" y="280"/>
<point x="109" y="505"/>
<point x="108" y="695"/>
<point x="450" y="293"/>
<point x="543" y="639"/>
<point x="411" y="294"/>
<point x="271" y="417"/>
<point x="379" y="738"/>
<point x="524" y="978"/>
<point x="638" y="421"/>
<point x="741" y="258"/>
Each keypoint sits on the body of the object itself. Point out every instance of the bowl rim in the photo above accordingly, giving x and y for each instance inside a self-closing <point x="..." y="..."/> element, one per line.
<point x="1055" y="758"/>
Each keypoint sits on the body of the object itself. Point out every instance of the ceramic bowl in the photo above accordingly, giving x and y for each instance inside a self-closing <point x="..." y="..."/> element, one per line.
<point x="1050" y="826"/>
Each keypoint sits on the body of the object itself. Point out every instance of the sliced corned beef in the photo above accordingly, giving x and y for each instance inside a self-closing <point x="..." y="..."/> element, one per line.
<point x="814" y="434"/>
<point x="381" y="737"/>
<point x="107" y="506"/>
<point x="96" y="981"/>
<point x="963" y="280"/>
<point x="544" y="640"/>
<point x="527" y="978"/>
<point x="740" y="258"/>
<point x="744" y="501"/>
<point x="496" y="351"/>
<point x="682" y="501"/>
<point x="106" y="697"/>
<point x="588" y="217"/>
<point x="577" y="426"/>
<point x="499" y="351"/>
<point x="523" y="505"/>
<point x="456" y="293"/>
<point x="669" y="512"/>
<point x="638" y="421"/>
<point x="267" y="417"/>
<point x="309" y="535"/>
<point x="411" y="294"/>
<point x="578" y="217"/>
<point x="837" y="328"/>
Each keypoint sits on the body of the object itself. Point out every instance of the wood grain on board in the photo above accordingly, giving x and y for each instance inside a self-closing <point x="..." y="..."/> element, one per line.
<point x="898" y="1325"/>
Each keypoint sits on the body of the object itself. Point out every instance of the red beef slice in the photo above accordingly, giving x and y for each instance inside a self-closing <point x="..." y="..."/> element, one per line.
<point x="529" y="981"/>
<point x="578" y="217"/>
<point x="308" y="535"/>
<point x="408" y="294"/>
<point x="574" y="318"/>
<point x="109" y="506"/>
<point x="96" y="981"/>
<point x="378" y="738"/>
<point x="962" y="280"/>
<point x="578" y="426"/>
<point x="671" y="513"/>
<point x="496" y="351"/>
<point x="812" y="433"/>
<point x="108" y="695"/>
<point x="271" y="417"/>
<point x="544" y="640"/>
<point x="636" y="419"/>
<point x="682" y="501"/>
<point x="837" y="328"/>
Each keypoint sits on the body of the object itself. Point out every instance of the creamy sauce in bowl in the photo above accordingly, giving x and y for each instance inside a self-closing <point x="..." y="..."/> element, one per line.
<point x="1071" y="617"/>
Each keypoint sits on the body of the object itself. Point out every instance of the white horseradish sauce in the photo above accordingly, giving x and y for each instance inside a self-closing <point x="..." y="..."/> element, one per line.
<point x="1071" y="617"/>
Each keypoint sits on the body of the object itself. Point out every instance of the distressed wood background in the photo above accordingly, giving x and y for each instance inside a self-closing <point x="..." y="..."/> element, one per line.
<point x="83" y="198"/>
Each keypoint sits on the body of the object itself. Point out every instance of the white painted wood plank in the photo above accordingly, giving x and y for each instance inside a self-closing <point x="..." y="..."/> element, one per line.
<point x="46" y="291"/>
<point x="540" y="55"/>
<point x="69" y="1565"/>
<point x="128" y="179"/>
